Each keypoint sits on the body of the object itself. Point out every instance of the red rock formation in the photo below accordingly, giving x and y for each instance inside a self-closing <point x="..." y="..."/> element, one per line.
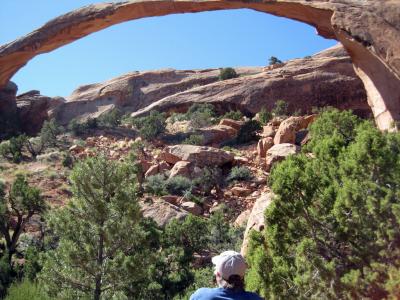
<point x="369" y="30"/>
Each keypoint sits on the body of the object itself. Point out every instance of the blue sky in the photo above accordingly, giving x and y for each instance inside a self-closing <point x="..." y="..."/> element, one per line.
<point x="185" y="41"/>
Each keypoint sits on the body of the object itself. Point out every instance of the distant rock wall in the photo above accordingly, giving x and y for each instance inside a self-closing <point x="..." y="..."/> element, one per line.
<point x="369" y="31"/>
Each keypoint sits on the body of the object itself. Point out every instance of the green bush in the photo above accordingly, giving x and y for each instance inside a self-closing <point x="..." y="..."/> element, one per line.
<point x="264" y="116"/>
<point x="200" y="115"/>
<point x="330" y="230"/>
<point x="12" y="149"/>
<point x="78" y="128"/>
<point x="280" y="108"/>
<point x="26" y="290"/>
<point x="233" y="115"/>
<point x="239" y="174"/>
<point x="49" y="132"/>
<point x="248" y="132"/>
<point x="178" y="185"/>
<point x="274" y="60"/>
<point x="155" y="185"/>
<point x="227" y="73"/>
<point x="194" y="139"/>
<point x="150" y="126"/>
<point x="67" y="161"/>
<point x="111" y="118"/>
<point x="210" y="178"/>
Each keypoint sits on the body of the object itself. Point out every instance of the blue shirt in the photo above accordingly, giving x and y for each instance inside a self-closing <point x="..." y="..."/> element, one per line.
<point x="223" y="294"/>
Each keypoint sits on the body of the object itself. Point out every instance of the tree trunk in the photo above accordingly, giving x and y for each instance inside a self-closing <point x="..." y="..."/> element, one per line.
<point x="97" y="290"/>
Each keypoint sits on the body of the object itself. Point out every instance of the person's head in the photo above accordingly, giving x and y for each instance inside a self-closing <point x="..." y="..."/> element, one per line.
<point x="230" y="268"/>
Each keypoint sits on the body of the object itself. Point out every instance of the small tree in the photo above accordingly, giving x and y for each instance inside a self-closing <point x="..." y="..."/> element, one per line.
<point x="264" y="116"/>
<point x="111" y="118"/>
<point x="49" y="132"/>
<point x="248" y="132"/>
<point x="16" y="209"/>
<point x="150" y="126"/>
<point x="103" y="248"/>
<point x="227" y="73"/>
<point x="280" y="108"/>
<point x="274" y="60"/>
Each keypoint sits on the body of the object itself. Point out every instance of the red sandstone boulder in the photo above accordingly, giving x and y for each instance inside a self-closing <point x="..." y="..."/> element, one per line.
<point x="231" y="123"/>
<point x="192" y="207"/>
<point x="288" y="128"/>
<point x="200" y="155"/>
<point x="182" y="168"/>
<point x="264" y="145"/>
<point x="280" y="152"/>
<point x="218" y="134"/>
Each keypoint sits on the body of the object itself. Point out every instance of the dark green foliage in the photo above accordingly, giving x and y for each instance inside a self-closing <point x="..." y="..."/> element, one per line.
<point x="194" y="139"/>
<point x="333" y="229"/>
<point x="78" y="128"/>
<point x="203" y="277"/>
<point x="12" y="149"/>
<point x="49" y="132"/>
<point x="227" y="73"/>
<point x="150" y="126"/>
<point x="233" y="115"/>
<point x="280" y="108"/>
<point x="264" y="116"/>
<point x="68" y="161"/>
<point x="239" y="174"/>
<point x="178" y="185"/>
<point x="111" y="118"/>
<point x="274" y="60"/>
<point x="248" y="132"/>
<point x="103" y="249"/>
<point x="16" y="210"/>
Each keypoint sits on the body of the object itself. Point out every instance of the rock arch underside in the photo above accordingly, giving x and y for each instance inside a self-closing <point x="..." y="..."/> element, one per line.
<point x="368" y="29"/>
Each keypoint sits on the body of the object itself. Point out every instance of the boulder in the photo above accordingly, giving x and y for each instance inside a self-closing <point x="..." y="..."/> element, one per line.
<point x="269" y="130"/>
<point x="181" y="168"/>
<point x="76" y="149"/>
<point x="231" y="123"/>
<point x="153" y="170"/>
<point x="279" y="152"/>
<point x="241" y="191"/>
<point x="289" y="127"/>
<point x="256" y="218"/>
<point x="161" y="211"/>
<point x="192" y="207"/>
<point x="264" y="145"/>
<point x="241" y="220"/>
<point x="200" y="155"/>
<point x="218" y="134"/>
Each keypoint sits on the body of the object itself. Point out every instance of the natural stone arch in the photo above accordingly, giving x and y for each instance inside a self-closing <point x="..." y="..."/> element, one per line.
<point x="369" y="30"/>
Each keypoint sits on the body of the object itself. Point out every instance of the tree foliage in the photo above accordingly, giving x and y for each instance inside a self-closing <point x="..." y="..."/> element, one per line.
<point x="150" y="126"/>
<point x="333" y="230"/>
<point x="227" y="73"/>
<point x="103" y="249"/>
<point x="274" y="60"/>
<point x="16" y="209"/>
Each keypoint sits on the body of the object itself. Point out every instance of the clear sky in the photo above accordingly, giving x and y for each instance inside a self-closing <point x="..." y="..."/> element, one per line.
<point x="185" y="41"/>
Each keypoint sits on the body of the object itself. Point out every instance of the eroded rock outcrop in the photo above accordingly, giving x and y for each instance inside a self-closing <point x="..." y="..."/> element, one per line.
<point x="325" y="79"/>
<point x="369" y="30"/>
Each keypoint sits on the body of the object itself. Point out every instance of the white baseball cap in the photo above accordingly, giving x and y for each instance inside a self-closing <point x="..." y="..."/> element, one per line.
<point x="229" y="263"/>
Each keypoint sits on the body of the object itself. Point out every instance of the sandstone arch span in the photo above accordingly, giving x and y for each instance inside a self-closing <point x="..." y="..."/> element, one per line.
<point x="368" y="29"/>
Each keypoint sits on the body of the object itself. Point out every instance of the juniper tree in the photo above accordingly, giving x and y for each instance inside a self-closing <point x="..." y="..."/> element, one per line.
<point x="102" y="246"/>
<point x="333" y="229"/>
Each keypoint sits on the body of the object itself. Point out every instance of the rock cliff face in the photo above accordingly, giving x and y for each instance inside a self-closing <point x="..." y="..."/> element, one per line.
<point x="135" y="91"/>
<point x="325" y="79"/>
<point x="369" y="31"/>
